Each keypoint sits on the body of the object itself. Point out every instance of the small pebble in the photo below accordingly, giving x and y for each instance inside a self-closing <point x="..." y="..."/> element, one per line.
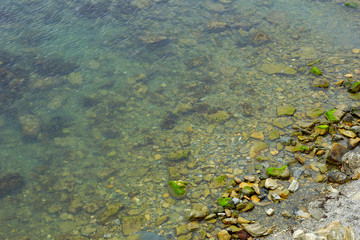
<point x="270" y="212"/>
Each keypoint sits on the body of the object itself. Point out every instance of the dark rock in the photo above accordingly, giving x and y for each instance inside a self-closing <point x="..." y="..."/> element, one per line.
<point x="338" y="177"/>
<point x="11" y="183"/>
<point x="94" y="10"/>
<point x="336" y="153"/>
<point x="53" y="67"/>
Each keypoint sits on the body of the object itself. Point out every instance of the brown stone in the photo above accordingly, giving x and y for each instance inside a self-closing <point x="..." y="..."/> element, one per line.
<point x="353" y="142"/>
<point x="336" y="153"/>
<point x="347" y="133"/>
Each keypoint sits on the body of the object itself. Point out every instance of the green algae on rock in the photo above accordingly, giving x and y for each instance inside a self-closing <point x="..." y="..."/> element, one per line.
<point x="218" y="181"/>
<point x="331" y="116"/>
<point x="355" y="87"/>
<point x="282" y="172"/>
<point x="178" y="189"/>
<point x="224" y="202"/>
<point x="178" y="155"/>
<point x="287" y="110"/>
<point x="351" y="5"/>
<point x="316" y="71"/>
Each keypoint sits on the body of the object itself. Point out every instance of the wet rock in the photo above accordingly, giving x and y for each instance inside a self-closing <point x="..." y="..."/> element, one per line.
<point x="259" y="38"/>
<point x="94" y="10"/>
<point x="219" y="181"/>
<point x="229" y="221"/>
<point x="110" y="213"/>
<point x="249" y="206"/>
<point x="196" y="215"/>
<point x="11" y="183"/>
<point x="30" y="125"/>
<point x="218" y="117"/>
<point x="257" y="148"/>
<point x="224" y="235"/>
<point x="333" y="231"/>
<point x="178" y="189"/>
<point x="320" y="83"/>
<point x="282" y="122"/>
<point x="270" y="212"/>
<point x="178" y="155"/>
<point x="132" y="224"/>
<point x="287" y="110"/>
<point x="53" y="67"/>
<point x="90" y="208"/>
<point x="334" y="115"/>
<point x="154" y="40"/>
<point x="256" y="230"/>
<point x="338" y="177"/>
<point x="216" y="26"/>
<point x="336" y="153"/>
<point x="192" y="226"/>
<point x="277" y="68"/>
<point x="247" y="191"/>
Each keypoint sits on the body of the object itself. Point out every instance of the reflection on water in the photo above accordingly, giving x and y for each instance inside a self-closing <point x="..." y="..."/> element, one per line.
<point x="96" y="95"/>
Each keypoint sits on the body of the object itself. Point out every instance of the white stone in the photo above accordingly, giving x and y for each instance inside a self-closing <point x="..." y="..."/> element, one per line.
<point x="270" y="212"/>
<point x="236" y="200"/>
<point x="271" y="184"/>
<point x="294" y="185"/>
<point x="298" y="233"/>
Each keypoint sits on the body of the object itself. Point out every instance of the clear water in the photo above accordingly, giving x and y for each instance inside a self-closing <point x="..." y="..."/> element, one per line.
<point x="115" y="86"/>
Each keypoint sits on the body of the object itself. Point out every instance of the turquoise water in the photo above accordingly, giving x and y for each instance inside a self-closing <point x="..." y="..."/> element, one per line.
<point x="95" y="94"/>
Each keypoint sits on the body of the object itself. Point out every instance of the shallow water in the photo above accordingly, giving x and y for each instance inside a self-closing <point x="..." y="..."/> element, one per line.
<point x="94" y="95"/>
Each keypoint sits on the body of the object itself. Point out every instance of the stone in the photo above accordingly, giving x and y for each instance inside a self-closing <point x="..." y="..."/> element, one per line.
<point x="178" y="155"/>
<point x="224" y="235"/>
<point x="216" y="26"/>
<point x="274" y="135"/>
<point x="256" y="230"/>
<point x="90" y="208"/>
<point x="294" y="185"/>
<point x="218" y="117"/>
<point x="338" y="177"/>
<point x="286" y="214"/>
<point x="298" y="233"/>
<point x="177" y="189"/>
<point x="271" y="183"/>
<point x="192" y="226"/>
<point x="277" y="68"/>
<point x="11" y="183"/>
<point x="270" y="212"/>
<point x="316" y="71"/>
<point x="320" y="83"/>
<point x="336" y="153"/>
<point x="282" y="172"/>
<point x="132" y="224"/>
<point x="333" y="231"/>
<point x="247" y="191"/>
<point x="30" y="125"/>
<point x="258" y="135"/>
<point x="321" y="129"/>
<point x="196" y="215"/>
<point x="182" y="229"/>
<point x="218" y="182"/>
<point x="257" y="147"/>
<point x="355" y="87"/>
<point x="334" y="115"/>
<point x="229" y="221"/>
<point x="282" y="122"/>
<point x="347" y="133"/>
<point x="287" y="110"/>
<point x="242" y="220"/>
<point x="315" y="113"/>
<point x="249" y="206"/>
<point x="109" y="213"/>
<point x="350" y="162"/>
<point x="259" y="38"/>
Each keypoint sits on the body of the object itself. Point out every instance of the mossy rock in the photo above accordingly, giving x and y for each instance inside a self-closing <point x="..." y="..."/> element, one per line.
<point x="282" y="172"/>
<point x="178" y="189"/>
<point x="297" y="148"/>
<point x="218" y="117"/>
<point x="316" y="71"/>
<point x="287" y="110"/>
<point x="320" y="83"/>
<point x="331" y="116"/>
<point x="178" y="155"/>
<point x="248" y="191"/>
<point x="321" y="129"/>
<point x="225" y="202"/>
<point x="351" y="5"/>
<point x="274" y="135"/>
<point x="355" y="87"/>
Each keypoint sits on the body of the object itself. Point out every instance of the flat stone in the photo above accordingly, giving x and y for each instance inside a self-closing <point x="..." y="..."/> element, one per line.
<point x="351" y="162"/>
<point x="258" y="135"/>
<point x="347" y="133"/>
<point x="181" y="230"/>
<point x="336" y="153"/>
<point x="256" y="230"/>
<point x="131" y="224"/>
<point x="315" y="113"/>
<point x="270" y="212"/>
<point x="294" y="185"/>
<point x="277" y="68"/>
<point x="282" y="122"/>
<point x="271" y="183"/>
<point x="287" y="110"/>
<point x="257" y="148"/>
<point x="320" y="83"/>
<point x="338" y="177"/>
<point x="192" y="226"/>
<point x="224" y="235"/>
<point x="353" y="142"/>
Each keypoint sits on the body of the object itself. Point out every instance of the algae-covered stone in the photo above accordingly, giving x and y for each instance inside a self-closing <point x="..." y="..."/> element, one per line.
<point x="316" y="71"/>
<point x="257" y="148"/>
<point x="277" y="68"/>
<point x="314" y="113"/>
<point x="297" y="148"/>
<point x="282" y="122"/>
<point x="178" y="155"/>
<point x="219" y="181"/>
<point x="218" y="117"/>
<point x="110" y="213"/>
<point x="274" y="135"/>
<point x="351" y="5"/>
<point x="132" y="224"/>
<point x="178" y="189"/>
<point x="333" y="115"/>
<point x="355" y="87"/>
<point x="286" y="110"/>
<point x="321" y="129"/>
<point x="247" y="191"/>
<point x="320" y="83"/>
<point x="225" y="202"/>
<point x="282" y="172"/>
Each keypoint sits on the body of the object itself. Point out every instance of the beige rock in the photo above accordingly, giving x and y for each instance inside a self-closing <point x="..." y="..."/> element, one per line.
<point x="347" y="133"/>
<point x="258" y="135"/>
<point x="224" y="235"/>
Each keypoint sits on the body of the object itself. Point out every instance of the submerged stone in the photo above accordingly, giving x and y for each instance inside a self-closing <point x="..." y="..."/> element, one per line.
<point x="277" y="68"/>
<point x="316" y="71"/>
<point x="225" y="202"/>
<point x="282" y="122"/>
<point x="286" y="110"/>
<point x="355" y="87"/>
<point x="178" y="155"/>
<point x="178" y="189"/>
<point x="333" y="115"/>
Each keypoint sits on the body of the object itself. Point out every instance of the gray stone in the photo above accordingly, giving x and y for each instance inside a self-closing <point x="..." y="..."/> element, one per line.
<point x="195" y="215"/>
<point x="350" y="162"/>
<point x="271" y="184"/>
<point x="294" y="185"/>
<point x="338" y="177"/>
